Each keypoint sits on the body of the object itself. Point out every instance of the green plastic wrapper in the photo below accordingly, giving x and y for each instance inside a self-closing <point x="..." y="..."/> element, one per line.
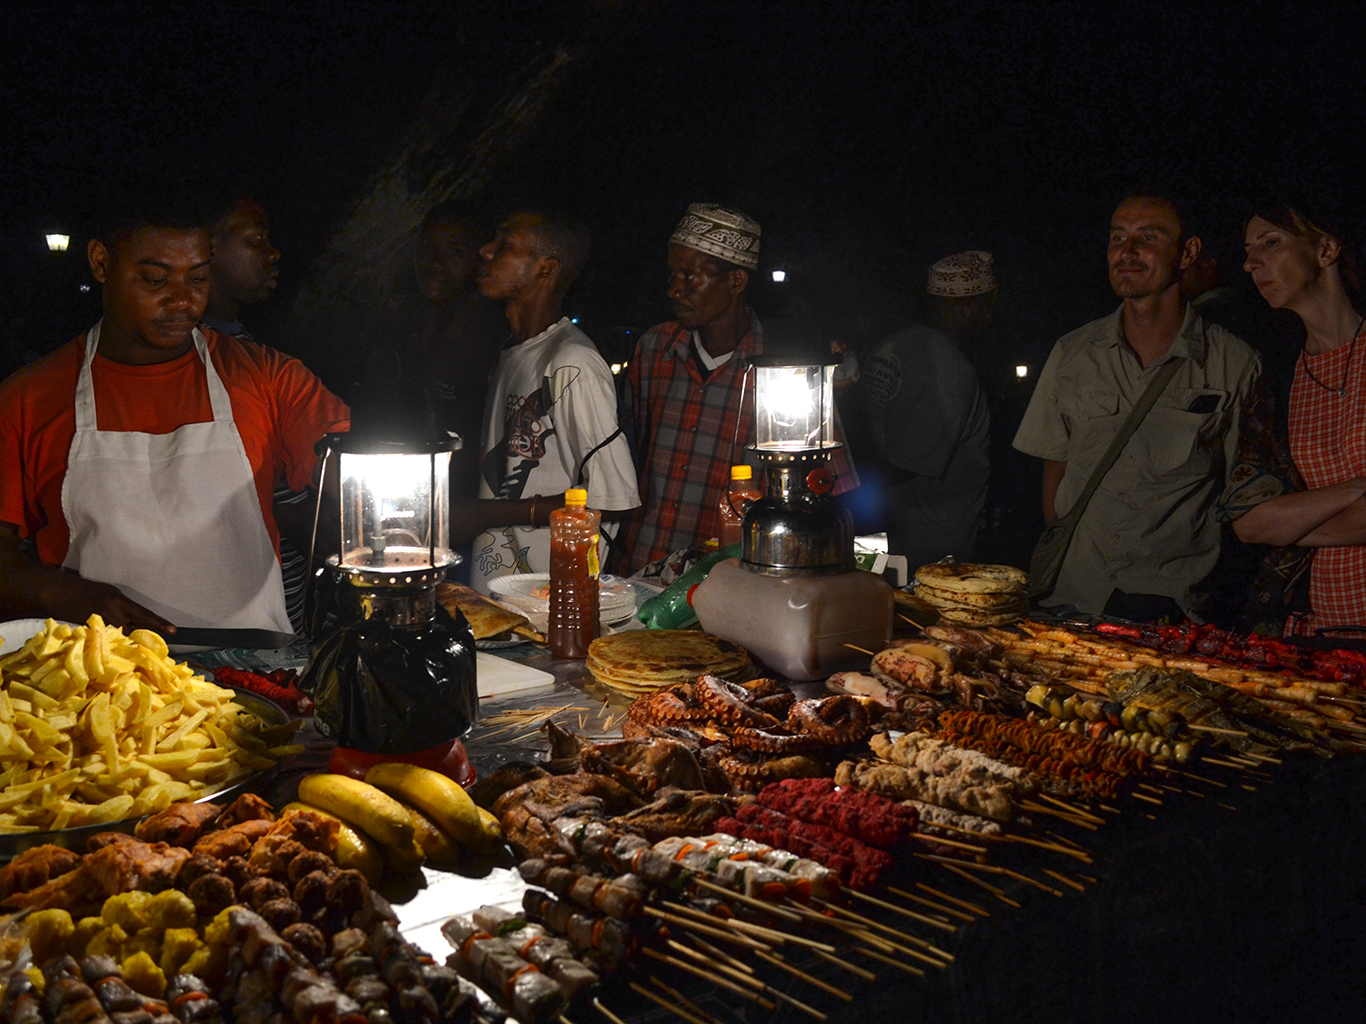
<point x="669" y="609"/>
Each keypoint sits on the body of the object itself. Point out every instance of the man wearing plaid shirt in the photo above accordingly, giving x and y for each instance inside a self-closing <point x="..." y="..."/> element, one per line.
<point x="686" y="405"/>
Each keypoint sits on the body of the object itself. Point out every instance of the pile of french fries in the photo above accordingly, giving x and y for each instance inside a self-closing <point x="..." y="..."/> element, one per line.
<point x="96" y="727"/>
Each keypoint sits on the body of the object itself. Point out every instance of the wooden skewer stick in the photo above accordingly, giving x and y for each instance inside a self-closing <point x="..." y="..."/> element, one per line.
<point x="937" y="907"/>
<point x="854" y="930"/>
<point x="996" y="891"/>
<point x="710" y="976"/>
<point x="746" y="976"/>
<point x="773" y="935"/>
<point x="950" y="842"/>
<point x="1064" y="879"/>
<point x="888" y="960"/>
<point x="617" y="1020"/>
<point x="715" y="933"/>
<point x="683" y="1000"/>
<point x="993" y="869"/>
<point x="851" y="968"/>
<point x="1201" y="778"/>
<point x="868" y="922"/>
<point x="1076" y="852"/>
<point x="913" y="915"/>
<point x="1110" y="810"/>
<point x="1037" y="808"/>
<point x="965" y="904"/>
<point x="891" y="948"/>
<point x="1072" y="808"/>
<point x="911" y="621"/>
<point x="1265" y="757"/>
<point x="749" y="901"/>
<point x="1032" y="881"/>
<point x="1215" y="729"/>
<point x="1222" y="763"/>
<point x="721" y="954"/>
<point x="638" y="987"/>
<point x="861" y="650"/>
<point x="1064" y="840"/>
<point x="783" y="965"/>
<point x="1147" y="798"/>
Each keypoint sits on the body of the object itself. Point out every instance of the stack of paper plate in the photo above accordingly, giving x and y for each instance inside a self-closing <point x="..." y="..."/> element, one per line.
<point x="530" y="593"/>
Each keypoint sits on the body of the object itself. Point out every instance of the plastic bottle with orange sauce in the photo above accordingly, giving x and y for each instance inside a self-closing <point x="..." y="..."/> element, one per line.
<point x="573" y="622"/>
<point x="742" y="491"/>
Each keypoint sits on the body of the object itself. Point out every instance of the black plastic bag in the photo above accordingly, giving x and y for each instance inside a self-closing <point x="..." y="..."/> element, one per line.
<point x="389" y="690"/>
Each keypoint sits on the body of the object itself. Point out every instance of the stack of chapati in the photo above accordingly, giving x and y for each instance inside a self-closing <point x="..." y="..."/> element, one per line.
<point x="644" y="660"/>
<point x="973" y="595"/>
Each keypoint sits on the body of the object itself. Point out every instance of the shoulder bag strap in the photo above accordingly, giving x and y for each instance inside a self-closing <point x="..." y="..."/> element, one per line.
<point x="1131" y="423"/>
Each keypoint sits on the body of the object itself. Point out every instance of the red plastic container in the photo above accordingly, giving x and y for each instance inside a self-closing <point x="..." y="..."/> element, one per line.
<point x="447" y="758"/>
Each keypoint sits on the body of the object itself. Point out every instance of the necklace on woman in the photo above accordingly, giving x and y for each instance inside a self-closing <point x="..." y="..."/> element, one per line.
<point x="1341" y="389"/>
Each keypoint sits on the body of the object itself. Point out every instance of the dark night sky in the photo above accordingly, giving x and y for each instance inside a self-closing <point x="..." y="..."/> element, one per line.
<point x="868" y="138"/>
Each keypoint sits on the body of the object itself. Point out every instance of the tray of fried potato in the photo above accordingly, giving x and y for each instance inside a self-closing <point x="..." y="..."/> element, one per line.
<point x="98" y="729"/>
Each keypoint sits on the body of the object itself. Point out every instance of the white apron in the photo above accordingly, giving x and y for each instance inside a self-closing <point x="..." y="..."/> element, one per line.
<point x="173" y="520"/>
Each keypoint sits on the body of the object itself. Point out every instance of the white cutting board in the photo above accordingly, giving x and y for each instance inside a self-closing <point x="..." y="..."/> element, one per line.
<point x="498" y="676"/>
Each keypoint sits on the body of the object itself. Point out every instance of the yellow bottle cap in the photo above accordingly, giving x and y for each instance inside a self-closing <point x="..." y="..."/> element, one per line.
<point x="741" y="473"/>
<point x="576" y="496"/>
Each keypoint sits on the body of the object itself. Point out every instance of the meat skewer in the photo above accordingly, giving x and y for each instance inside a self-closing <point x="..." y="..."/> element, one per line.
<point x="534" y="997"/>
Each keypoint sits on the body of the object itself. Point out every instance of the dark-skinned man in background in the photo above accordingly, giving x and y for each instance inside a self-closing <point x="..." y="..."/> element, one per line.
<point x="1149" y="534"/>
<point x="928" y="418"/>
<point x="140" y="458"/>
<point x="551" y="413"/>
<point x="689" y="420"/>
<point x="245" y="272"/>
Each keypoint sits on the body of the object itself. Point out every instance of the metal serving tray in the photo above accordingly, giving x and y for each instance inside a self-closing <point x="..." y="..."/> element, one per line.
<point x="14" y="843"/>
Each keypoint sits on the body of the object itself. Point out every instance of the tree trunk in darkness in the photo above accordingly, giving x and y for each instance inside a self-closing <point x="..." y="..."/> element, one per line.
<point x="460" y="146"/>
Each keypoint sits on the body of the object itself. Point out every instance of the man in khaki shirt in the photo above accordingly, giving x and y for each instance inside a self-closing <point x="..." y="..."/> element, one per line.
<point x="1149" y="533"/>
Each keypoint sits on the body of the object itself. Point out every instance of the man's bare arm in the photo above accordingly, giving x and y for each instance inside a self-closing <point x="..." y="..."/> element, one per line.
<point x="1292" y="518"/>
<point x="1052" y="477"/>
<point x="1346" y="528"/>
<point x="30" y="589"/>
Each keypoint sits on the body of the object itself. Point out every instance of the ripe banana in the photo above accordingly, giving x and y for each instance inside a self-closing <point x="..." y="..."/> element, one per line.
<point x="435" y="843"/>
<point x="354" y="848"/>
<point x="491" y="833"/>
<point x="437" y="796"/>
<point x="402" y="860"/>
<point x="361" y="806"/>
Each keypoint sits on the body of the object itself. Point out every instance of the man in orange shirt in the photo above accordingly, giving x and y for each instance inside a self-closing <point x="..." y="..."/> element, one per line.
<point x="138" y="461"/>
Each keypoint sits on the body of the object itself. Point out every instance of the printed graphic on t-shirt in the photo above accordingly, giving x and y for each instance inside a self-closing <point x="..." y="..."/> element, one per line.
<point x="525" y="435"/>
<point x="881" y="379"/>
<point x="510" y="462"/>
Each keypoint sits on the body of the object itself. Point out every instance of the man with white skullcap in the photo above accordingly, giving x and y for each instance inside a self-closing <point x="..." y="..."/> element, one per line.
<point x="928" y="417"/>
<point x="1148" y="535"/>
<point x="689" y="415"/>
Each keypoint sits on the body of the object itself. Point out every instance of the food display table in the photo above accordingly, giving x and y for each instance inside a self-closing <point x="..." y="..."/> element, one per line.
<point x="1241" y="902"/>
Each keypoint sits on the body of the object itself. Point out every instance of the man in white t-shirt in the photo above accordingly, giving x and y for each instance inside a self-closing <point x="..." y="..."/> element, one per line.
<point x="550" y="419"/>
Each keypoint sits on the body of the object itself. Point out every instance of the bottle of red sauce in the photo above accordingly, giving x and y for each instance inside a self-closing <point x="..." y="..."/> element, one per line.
<point x="573" y="576"/>
<point x="742" y="491"/>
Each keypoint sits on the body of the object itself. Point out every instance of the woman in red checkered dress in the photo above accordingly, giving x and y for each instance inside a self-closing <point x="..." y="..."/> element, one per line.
<point x="1299" y="263"/>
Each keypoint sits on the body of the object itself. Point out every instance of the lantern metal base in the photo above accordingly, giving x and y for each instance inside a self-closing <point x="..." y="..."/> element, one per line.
<point x="796" y="529"/>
